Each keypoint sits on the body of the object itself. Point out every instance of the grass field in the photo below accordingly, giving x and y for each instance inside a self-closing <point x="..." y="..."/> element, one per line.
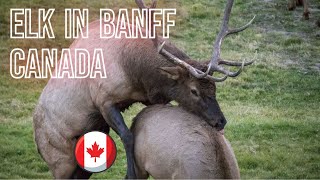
<point x="272" y="108"/>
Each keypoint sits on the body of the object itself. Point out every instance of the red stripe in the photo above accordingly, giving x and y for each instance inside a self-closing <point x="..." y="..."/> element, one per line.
<point x="111" y="151"/>
<point x="80" y="152"/>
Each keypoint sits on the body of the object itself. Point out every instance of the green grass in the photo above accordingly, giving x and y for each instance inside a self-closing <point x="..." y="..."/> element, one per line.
<point x="272" y="108"/>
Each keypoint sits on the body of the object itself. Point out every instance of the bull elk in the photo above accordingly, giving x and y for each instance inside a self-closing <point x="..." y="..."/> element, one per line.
<point x="171" y="143"/>
<point x="293" y="3"/>
<point x="138" y="70"/>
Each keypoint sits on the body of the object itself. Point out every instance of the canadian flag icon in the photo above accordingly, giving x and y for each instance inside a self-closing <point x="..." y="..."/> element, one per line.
<point x="95" y="151"/>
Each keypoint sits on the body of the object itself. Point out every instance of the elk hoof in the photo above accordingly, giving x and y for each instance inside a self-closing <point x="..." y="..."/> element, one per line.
<point x="306" y="15"/>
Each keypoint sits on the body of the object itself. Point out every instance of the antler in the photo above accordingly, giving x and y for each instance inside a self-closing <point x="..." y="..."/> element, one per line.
<point x="224" y="32"/>
<point x="215" y="60"/>
<point x="141" y="5"/>
<point x="161" y="50"/>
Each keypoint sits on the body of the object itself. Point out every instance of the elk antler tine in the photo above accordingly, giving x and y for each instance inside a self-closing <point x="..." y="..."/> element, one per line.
<point x="217" y="79"/>
<point x="200" y="74"/>
<point x="154" y="4"/>
<point x="141" y="4"/>
<point x="161" y="47"/>
<point x="229" y="73"/>
<point x="195" y="72"/>
<point x="208" y="69"/>
<point x="235" y="74"/>
<point x="232" y="31"/>
<point x="232" y="63"/>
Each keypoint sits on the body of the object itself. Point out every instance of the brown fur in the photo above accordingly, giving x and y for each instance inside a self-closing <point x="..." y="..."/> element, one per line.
<point x="171" y="143"/>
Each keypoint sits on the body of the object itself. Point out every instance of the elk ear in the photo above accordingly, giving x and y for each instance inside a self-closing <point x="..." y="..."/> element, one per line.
<point x="172" y="72"/>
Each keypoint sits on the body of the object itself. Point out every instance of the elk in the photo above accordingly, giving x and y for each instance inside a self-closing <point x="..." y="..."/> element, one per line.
<point x="171" y="143"/>
<point x="138" y="70"/>
<point x="292" y="4"/>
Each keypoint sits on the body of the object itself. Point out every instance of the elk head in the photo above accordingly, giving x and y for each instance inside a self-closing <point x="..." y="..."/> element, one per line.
<point x="194" y="85"/>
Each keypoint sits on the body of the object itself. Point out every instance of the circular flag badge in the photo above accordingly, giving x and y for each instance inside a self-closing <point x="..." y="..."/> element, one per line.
<point x="95" y="151"/>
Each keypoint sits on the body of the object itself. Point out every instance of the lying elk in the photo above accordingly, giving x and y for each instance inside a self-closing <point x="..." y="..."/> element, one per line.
<point x="171" y="143"/>
<point x="292" y="4"/>
<point x="138" y="70"/>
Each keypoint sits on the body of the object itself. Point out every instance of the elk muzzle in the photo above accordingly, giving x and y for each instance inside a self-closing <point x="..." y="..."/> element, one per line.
<point x="214" y="115"/>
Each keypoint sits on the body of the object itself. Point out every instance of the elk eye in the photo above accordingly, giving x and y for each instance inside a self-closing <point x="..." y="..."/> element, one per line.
<point x="194" y="92"/>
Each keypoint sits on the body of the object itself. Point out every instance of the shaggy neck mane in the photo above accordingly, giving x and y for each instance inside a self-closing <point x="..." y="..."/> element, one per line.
<point x="142" y="64"/>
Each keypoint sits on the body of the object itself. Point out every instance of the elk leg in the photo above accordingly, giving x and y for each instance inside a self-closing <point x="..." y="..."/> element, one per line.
<point x="305" y="9"/>
<point x="61" y="162"/>
<point x="291" y="5"/>
<point x="299" y="2"/>
<point x="56" y="151"/>
<point x="79" y="173"/>
<point x="115" y="120"/>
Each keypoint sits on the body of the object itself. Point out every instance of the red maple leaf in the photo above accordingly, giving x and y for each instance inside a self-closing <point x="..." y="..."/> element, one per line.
<point x="95" y="151"/>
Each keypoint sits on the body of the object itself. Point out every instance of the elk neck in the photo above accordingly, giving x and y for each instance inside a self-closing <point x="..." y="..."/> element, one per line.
<point x="141" y="63"/>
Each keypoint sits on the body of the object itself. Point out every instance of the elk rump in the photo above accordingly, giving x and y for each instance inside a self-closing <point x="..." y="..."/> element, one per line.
<point x="173" y="143"/>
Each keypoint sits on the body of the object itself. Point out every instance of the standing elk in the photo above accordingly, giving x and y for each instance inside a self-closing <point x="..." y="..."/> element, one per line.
<point x="138" y="70"/>
<point x="171" y="143"/>
<point x="293" y="3"/>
